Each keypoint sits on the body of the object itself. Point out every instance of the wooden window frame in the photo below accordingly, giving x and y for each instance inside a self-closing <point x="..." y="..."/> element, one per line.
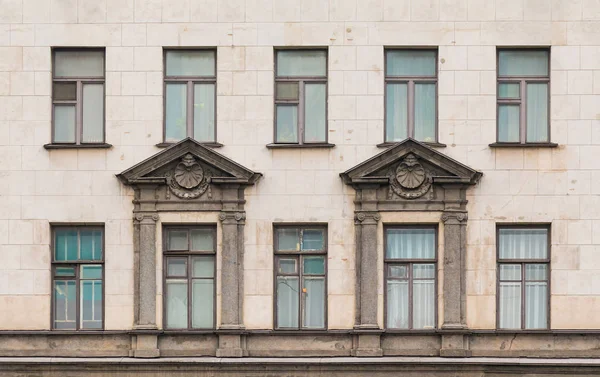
<point x="300" y="103"/>
<point x="78" y="102"/>
<point x="77" y="266"/>
<point x="387" y="262"/>
<point x="189" y="255"/>
<point x="299" y="257"/>
<point x="523" y="263"/>
<point x="190" y="81"/>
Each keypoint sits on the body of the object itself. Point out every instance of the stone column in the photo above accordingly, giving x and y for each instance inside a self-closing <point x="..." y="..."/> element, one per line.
<point x="232" y="280"/>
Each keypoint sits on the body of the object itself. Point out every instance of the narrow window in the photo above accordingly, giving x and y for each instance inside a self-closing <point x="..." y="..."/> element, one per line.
<point x="523" y="96"/>
<point x="190" y="96"/>
<point x="301" y="96"/>
<point x="523" y="276"/>
<point x="189" y="270"/>
<point x="410" y="277"/>
<point x="78" y="276"/>
<point x="301" y="271"/>
<point x="410" y="95"/>
<point x="78" y="96"/>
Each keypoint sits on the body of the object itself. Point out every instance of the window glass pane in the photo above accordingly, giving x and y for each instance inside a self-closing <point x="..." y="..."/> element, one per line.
<point x="177" y="304"/>
<point x="314" y="265"/>
<point x="64" y="124"/>
<point x="175" y="111"/>
<point x="425" y="112"/>
<point x="204" y="112"/>
<point x="64" y="91"/>
<point x="523" y="243"/>
<point x="177" y="240"/>
<point x="301" y="63"/>
<point x="510" y="305"/>
<point x="190" y="63"/>
<point x="315" y="103"/>
<point x="510" y="272"/>
<point x="313" y="239"/>
<point x="202" y="239"/>
<point x="314" y="304"/>
<point x="65" y="245"/>
<point x="396" y="121"/>
<point x="65" y="301"/>
<point x="91" y="304"/>
<point x="90" y="244"/>
<point x="287" y="124"/>
<point x="287" y="91"/>
<point x="508" y="123"/>
<point x="177" y="267"/>
<point x="287" y="266"/>
<point x="536" y="272"/>
<point x="64" y="271"/>
<point x="203" y="267"/>
<point x="423" y="304"/>
<point x="91" y="272"/>
<point x="410" y="243"/>
<point x="424" y="271"/>
<point x="537" y="113"/>
<point x="410" y="63"/>
<point x="93" y="113"/>
<point x="287" y="301"/>
<point x="510" y="91"/>
<point x="288" y="239"/>
<point x="536" y="305"/>
<point x="202" y="303"/>
<point x="398" y="271"/>
<point x="79" y="64"/>
<point x="397" y="304"/>
<point x="523" y="63"/>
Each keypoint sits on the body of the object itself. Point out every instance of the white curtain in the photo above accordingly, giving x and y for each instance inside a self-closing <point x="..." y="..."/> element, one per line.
<point x="410" y="243"/>
<point x="93" y="113"/>
<point x="509" y="123"/>
<point x="202" y="303"/>
<point x="523" y="243"/>
<point x="314" y="112"/>
<point x="204" y="112"/>
<point x="397" y="304"/>
<point x="423" y="304"/>
<point x="177" y="304"/>
<point x="175" y="111"/>
<point x="287" y="301"/>
<point x="314" y="310"/>
<point x="287" y="123"/>
<point x="397" y="112"/>
<point x="537" y="112"/>
<point x="536" y="305"/>
<point x="510" y="305"/>
<point x="425" y="112"/>
<point x="64" y="123"/>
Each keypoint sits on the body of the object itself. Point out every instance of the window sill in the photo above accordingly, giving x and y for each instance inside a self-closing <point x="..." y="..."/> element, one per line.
<point x="210" y="145"/>
<point x="288" y="146"/>
<point x="77" y="146"/>
<point x="523" y="145"/>
<point x="433" y="145"/>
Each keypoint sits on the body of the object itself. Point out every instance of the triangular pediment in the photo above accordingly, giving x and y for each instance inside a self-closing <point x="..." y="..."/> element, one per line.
<point x="410" y="161"/>
<point x="188" y="161"/>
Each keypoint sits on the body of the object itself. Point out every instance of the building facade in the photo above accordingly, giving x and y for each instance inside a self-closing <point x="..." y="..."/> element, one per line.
<point x="299" y="187"/>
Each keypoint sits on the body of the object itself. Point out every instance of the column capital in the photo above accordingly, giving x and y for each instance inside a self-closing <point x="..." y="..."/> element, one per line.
<point x="146" y="217"/>
<point x="232" y="217"/>
<point x="366" y="217"/>
<point x="455" y="218"/>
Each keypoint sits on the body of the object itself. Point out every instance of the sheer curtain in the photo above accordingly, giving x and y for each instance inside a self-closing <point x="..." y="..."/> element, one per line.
<point x="410" y="244"/>
<point x="314" y="310"/>
<point x="537" y="112"/>
<point x="314" y="112"/>
<point x="204" y="112"/>
<point x="523" y="243"/>
<point x="287" y="301"/>
<point x="397" y="304"/>
<point x="397" y="112"/>
<point x="177" y="304"/>
<point x="93" y="113"/>
<point x="425" y="112"/>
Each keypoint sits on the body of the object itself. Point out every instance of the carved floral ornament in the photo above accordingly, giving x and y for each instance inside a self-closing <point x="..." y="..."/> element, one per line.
<point x="409" y="180"/>
<point x="189" y="180"/>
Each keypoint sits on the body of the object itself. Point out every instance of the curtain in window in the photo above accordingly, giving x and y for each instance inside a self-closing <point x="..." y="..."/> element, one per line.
<point x="523" y="63"/>
<point x="537" y="112"/>
<point x="508" y="123"/>
<point x="204" y="112"/>
<point x="523" y="243"/>
<point x="301" y="63"/>
<point x="410" y="243"/>
<point x="314" y="112"/>
<point x="536" y="305"/>
<point x="397" y="304"/>
<point x="287" y="123"/>
<point x="202" y="303"/>
<point x="176" y="113"/>
<point x="177" y="303"/>
<point x="510" y="305"/>
<point x="314" y="310"/>
<point x="287" y="301"/>
<point x="425" y="112"/>
<point x="397" y="112"/>
<point x="190" y="63"/>
<point x="423" y="304"/>
<point x="411" y="63"/>
<point x="65" y="304"/>
<point x="93" y="113"/>
<point x="64" y="123"/>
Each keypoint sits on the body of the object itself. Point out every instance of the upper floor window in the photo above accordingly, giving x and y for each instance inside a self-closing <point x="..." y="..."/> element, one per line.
<point x="523" y="269"/>
<point x="523" y="100"/>
<point x="410" y="95"/>
<point x="190" y="96"/>
<point x="410" y="277"/>
<point x="301" y="96"/>
<point x="77" y="278"/>
<point x="301" y="273"/>
<point x="189" y="286"/>
<point x="78" y="96"/>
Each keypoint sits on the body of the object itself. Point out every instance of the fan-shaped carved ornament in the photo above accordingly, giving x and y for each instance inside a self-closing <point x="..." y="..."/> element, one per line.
<point x="189" y="180"/>
<point x="409" y="180"/>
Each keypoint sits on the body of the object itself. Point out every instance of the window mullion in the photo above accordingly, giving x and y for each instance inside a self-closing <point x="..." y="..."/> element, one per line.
<point x="523" y="112"/>
<point x="410" y="296"/>
<point x="190" y="109"/>
<point x="79" y="113"/>
<point x="189" y="289"/>
<point x="301" y="104"/>
<point x="523" y="300"/>
<point x="411" y="109"/>
<point x="301" y="293"/>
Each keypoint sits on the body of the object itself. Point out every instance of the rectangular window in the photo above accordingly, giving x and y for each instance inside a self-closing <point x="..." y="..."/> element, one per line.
<point x="189" y="271"/>
<point x="301" y="277"/>
<point x="190" y="95"/>
<point x="301" y="96"/>
<point x="410" y="95"/>
<point x="78" y="96"/>
<point x="523" y="277"/>
<point x="410" y="277"/>
<point x="78" y="278"/>
<point x="523" y="96"/>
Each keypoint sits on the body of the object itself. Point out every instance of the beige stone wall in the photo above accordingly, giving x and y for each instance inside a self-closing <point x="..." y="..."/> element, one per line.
<point x="39" y="187"/>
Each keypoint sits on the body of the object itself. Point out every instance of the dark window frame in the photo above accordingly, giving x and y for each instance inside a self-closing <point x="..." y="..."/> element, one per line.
<point x="189" y="81"/>
<point x="410" y="81"/>
<point x="188" y="255"/>
<point x="523" y="263"/>
<point x="299" y="257"/>
<point x="300" y="103"/>
<point x="387" y="262"/>
<point x="77" y="266"/>
<point x="522" y="101"/>
<point x="78" y="102"/>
